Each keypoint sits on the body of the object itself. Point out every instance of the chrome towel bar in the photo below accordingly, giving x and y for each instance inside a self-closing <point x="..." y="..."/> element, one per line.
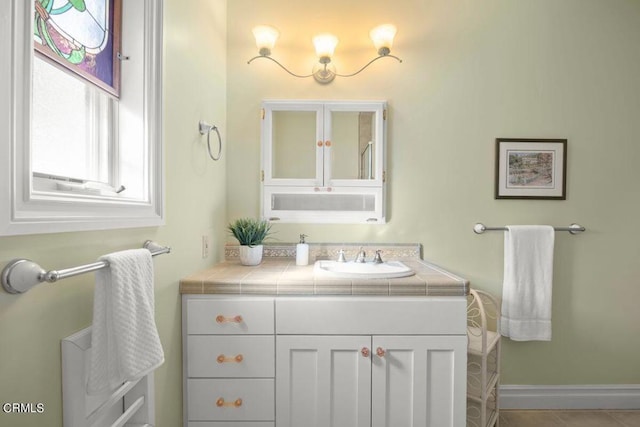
<point x="480" y="228"/>
<point x="20" y="275"/>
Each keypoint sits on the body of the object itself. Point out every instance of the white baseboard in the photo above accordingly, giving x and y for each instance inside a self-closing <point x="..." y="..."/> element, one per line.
<point x="626" y="396"/>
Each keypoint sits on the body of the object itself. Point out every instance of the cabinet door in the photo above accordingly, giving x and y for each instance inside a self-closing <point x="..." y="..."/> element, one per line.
<point x="419" y="381"/>
<point x="354" y="146"/>
<point x="323" y="381"/>
<point x="293" y="143"/>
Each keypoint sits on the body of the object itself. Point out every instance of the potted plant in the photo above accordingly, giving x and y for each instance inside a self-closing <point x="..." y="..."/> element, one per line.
<point x="250" y="233"/>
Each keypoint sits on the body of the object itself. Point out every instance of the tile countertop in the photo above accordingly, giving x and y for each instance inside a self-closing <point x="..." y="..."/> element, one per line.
<point x="278" y="274"/>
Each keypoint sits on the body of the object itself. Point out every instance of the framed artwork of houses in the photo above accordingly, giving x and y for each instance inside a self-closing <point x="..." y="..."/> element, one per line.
<point x="83" y="37"/>
<point x="531" y="168"/>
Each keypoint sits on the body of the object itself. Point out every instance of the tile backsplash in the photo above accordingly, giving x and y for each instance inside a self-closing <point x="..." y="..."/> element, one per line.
<point x="331" y="250"/>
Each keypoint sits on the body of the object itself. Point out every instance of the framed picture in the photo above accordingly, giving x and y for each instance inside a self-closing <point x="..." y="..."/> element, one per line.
<point x="531" y="168"/>
<point x="82" y="37"/>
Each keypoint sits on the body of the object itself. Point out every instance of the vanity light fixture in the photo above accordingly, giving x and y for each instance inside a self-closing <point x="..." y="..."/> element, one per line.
<point x="325" y="44"/>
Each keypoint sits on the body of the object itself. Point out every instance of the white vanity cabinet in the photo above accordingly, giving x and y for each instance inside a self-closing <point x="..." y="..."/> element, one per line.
<point x="371" y="362"/>
<point x="323" y="161"/>
<point x="352" y="361"/>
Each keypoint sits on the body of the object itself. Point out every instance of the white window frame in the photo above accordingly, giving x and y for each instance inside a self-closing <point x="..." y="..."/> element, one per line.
<point x="25" y="211"/>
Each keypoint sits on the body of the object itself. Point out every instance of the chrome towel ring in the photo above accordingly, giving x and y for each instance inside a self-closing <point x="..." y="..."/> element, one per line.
<point x="206" y="129"/>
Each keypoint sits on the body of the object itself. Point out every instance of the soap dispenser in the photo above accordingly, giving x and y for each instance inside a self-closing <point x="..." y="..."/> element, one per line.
<point x="302" y="251"/>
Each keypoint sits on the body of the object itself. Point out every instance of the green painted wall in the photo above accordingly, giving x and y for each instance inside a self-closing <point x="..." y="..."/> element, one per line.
<point x="32" y="324"/>
<point x="474" y="71"/>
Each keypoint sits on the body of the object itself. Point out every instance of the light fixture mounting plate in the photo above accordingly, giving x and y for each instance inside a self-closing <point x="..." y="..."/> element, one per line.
<point x="324" y="73"/>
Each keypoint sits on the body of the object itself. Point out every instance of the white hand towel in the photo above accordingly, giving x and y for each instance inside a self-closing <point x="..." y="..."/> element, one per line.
<point x="526" y="290"/>
<point x="124" y="340"/>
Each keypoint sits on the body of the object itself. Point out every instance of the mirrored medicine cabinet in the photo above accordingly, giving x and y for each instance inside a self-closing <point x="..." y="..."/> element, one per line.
<point x="323" y="161"/>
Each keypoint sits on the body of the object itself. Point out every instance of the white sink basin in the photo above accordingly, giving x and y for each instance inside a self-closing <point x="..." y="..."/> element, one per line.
<point x="360" y="270"/>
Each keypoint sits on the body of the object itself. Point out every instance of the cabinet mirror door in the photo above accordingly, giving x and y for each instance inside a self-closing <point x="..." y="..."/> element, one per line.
<point x="292" y="143"/>
<point x="352" y="145"/>
<point x="356" y="132"/>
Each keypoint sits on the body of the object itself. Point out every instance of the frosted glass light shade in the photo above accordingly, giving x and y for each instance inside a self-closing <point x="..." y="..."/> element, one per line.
<point x="324" y="71"/>
<point x="266" y="37"/>
<point x="382" y="37"/>
<point x="325" y="45"/>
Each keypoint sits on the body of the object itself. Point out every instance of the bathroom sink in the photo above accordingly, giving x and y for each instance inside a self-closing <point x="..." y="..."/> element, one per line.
<point x="360" y="270"/>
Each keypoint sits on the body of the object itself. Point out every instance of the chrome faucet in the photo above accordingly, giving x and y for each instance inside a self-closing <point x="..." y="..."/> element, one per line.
<point x="361" y="255"/>
<point x="377" y="259"/>
<point x="341" y="257"/>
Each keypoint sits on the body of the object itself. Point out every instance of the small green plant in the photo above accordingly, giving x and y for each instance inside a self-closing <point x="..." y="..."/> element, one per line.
<point x="249" y="231"/>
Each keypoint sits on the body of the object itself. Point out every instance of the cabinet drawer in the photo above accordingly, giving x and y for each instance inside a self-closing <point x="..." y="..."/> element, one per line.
<point x="222" y="316"/>
<point x="230" y="356"/>
<point x="370" y="316"/>
<point x="243" y="400"/>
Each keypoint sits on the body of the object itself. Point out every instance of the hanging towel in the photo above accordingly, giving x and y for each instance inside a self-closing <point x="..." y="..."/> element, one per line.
<point x="526" y="290"/>
<point x="124" y="340"/>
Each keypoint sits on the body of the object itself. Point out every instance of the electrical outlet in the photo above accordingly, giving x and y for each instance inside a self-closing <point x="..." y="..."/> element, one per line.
<point x="205" y="246"/>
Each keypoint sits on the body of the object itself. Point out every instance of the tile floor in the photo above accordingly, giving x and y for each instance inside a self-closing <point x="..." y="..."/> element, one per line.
<point x="512" y="418"/>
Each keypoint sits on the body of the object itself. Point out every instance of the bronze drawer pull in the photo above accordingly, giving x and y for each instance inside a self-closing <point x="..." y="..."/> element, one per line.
<point x="235" y="404"/>
<point x="229" y="319"/>
<point x="234" y="359"/>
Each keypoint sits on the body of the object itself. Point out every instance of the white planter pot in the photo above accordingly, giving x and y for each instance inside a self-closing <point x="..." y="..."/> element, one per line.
<point x="250" y="255"/>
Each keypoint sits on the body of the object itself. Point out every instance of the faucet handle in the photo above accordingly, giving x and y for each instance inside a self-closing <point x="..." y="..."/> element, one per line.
<point x="377" y="259"/>
<point x="341" y="257"/>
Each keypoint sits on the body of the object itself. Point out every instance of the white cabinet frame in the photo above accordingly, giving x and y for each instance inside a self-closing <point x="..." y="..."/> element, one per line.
<point x="320" y="186"/>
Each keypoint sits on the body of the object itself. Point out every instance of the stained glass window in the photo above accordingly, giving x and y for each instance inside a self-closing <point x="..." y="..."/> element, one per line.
<point x="82" y="36"/>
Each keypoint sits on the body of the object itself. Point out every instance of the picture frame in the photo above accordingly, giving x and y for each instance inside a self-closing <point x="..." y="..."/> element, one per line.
<point x="83" y="38"/>
<point x="531" y="168"/>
